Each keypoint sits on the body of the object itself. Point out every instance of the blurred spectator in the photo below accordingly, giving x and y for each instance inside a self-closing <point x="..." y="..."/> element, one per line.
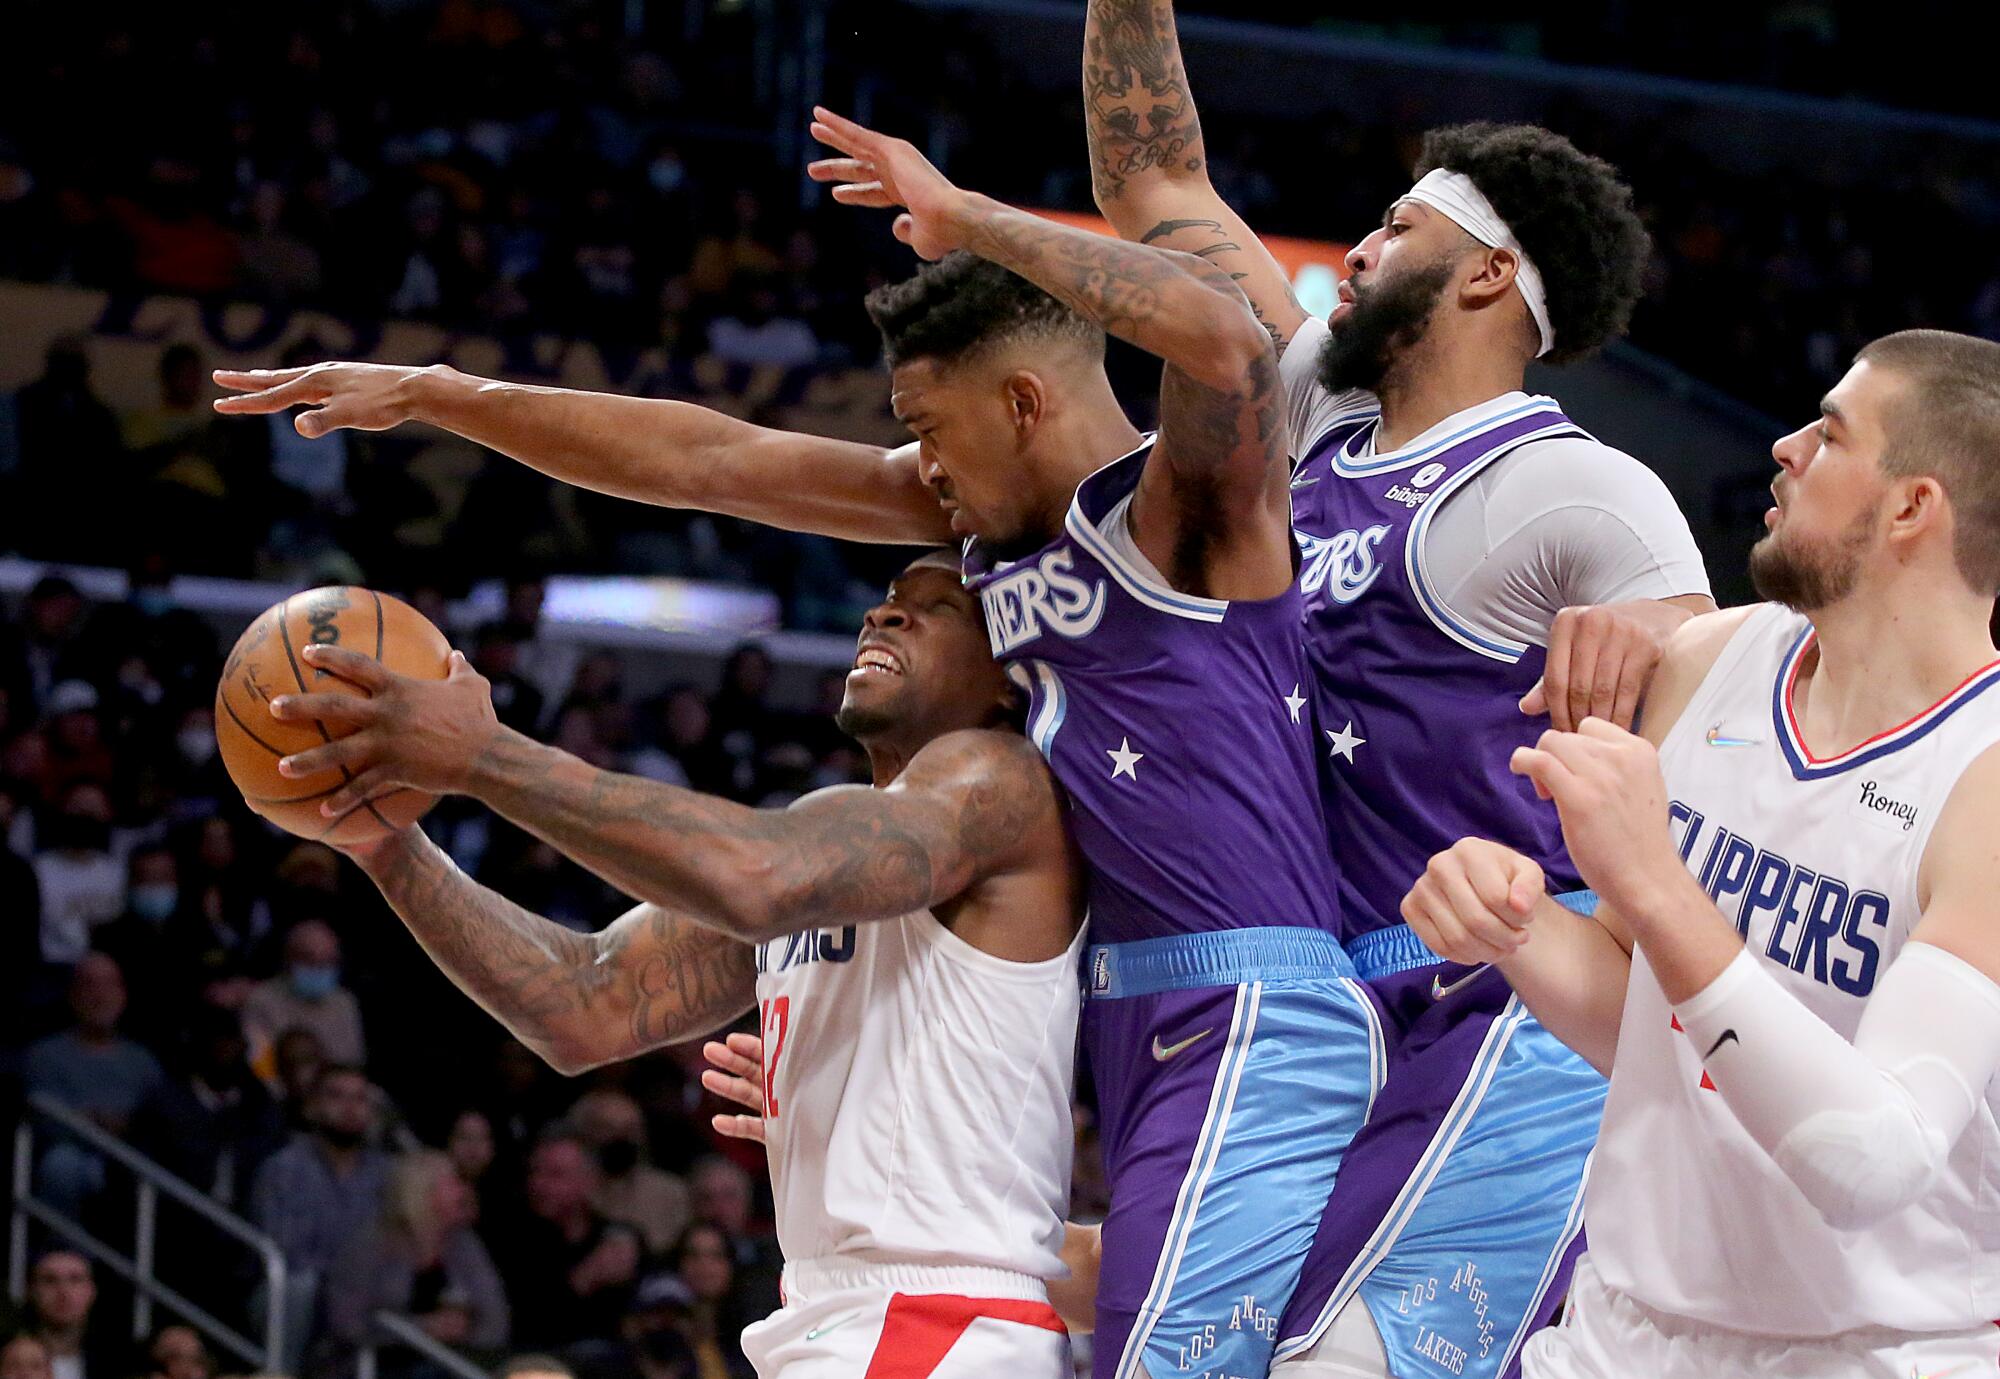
<point x="298" y="1059"/>
<point x="25" y="1356"/>
<point x="91" y="1069"/>
<point x="681" y="751"/>
<point x="278" y="265"/>
<point x="422" y="1260"/>
<point x="496" y="649"/>
<point x="723" y="1197"/>
<point x="326" y="1186"/>
<point x="178" y="1352"/>
<point x="62" y="1293"/>
<point x="630" y="1189"/>
<point x="656" y="1329"/>
<point x="81" y="883"/>
<point x="74" y="730"/>
<point x="138" y="940"/>
<point x="569" y="1269"/>
<point x="215" y="1124"/>
<point x="69" y="438"/>
<point x="181" y="419"/>
<point x="705" y="1262"/>
<point x="534" y="1367"/>
<point x="308" y="995"/>
<point x="758" y="334"/>
<point x="472" y="1151"/>
<point x="41" y="648"/>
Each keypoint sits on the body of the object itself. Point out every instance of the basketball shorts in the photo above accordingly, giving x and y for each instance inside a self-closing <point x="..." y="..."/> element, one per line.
<point x="1607" y="1335"/>
<point x="1232" y="1069"/>
<point x="1459" y="1209"/>
<point x="864" y="1321"/>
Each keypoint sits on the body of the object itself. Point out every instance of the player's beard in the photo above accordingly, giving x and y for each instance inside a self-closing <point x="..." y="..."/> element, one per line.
<point x="1807" y="574"/>
<point x="1389" y="319"/>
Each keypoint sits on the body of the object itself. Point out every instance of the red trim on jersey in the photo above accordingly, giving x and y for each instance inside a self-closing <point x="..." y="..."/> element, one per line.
<point x="1792" y="721"/>
<point x="920" y="1329"/>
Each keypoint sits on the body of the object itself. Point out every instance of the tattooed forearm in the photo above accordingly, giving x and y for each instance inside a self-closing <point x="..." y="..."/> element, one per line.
<point x="1214" y="244"/>
<point x="1140" y="116"/>
<point x="840" y="856"/>
<point x="1174" y="305"/>
<point x="576" y="999"/>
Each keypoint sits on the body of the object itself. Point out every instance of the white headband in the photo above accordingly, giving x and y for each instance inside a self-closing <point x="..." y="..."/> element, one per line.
<point x="1453" y="195"/>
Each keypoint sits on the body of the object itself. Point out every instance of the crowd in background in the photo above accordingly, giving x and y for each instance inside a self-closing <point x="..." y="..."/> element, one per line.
<point x="240" y="1005"/>
<point x="522" y="167"/>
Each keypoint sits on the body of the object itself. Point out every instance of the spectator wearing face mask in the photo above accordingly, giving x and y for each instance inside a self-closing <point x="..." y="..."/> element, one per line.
<point x="307" y="995"/>
<point x="139" y="941"/>
<point x="630" y="1189"/>
<point x="81" y="883"/>
<point x="91" y="1069"/>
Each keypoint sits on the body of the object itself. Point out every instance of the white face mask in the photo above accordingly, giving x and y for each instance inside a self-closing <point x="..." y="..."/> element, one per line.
<point x="196" y="745"/>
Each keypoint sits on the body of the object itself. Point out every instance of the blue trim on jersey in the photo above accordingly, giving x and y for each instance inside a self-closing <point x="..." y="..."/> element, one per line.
<point x="1396" y="948"/>
<point x="1402" y="459"/>
<point x="1803" y="768"/>
<point x="1471" y="1093"/>
<point x="1222" y="957"/>
<point x="1500" y="649"/>
<point x="1221" y="1102"/>
<point x="1048" y="719"/>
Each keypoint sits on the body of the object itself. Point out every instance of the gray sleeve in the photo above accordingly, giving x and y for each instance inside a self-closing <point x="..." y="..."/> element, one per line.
<point x="1558" y="524"/>
<point x="472" y="1269"/>
<point x="1310" y="409"/>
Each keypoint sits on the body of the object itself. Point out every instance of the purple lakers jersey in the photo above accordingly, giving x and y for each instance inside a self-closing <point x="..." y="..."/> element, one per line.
<point x="1177" y="725"/>
<point x="1416" y="714"/>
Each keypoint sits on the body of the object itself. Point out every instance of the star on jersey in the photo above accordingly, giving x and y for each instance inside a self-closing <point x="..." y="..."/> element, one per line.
<point x="1344" y="742"/>
<point x="1124" y="761"/>
<point x="1295" y="701"/>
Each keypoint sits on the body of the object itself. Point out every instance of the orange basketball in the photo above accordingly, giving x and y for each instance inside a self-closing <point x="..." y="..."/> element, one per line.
<point x="265" y="664"/>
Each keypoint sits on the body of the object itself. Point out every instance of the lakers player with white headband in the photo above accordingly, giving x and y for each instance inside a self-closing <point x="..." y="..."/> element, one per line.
<point x="1791" y="979"/>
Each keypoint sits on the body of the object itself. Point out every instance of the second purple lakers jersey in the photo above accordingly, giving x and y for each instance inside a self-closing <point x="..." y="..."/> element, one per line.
<point x="1417" y="714"/>
<point x="1177" y="725"/>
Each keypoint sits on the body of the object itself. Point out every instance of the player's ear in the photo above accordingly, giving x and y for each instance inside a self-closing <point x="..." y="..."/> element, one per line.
<point x="1026" y="399"/>
<point x="1492" y="275"/>
<point x="1919" y="504"/>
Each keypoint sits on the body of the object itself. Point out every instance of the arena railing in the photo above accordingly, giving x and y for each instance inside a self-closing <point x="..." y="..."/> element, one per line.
<point x="402" y="1331"/>
<point x="138" y="1269"/>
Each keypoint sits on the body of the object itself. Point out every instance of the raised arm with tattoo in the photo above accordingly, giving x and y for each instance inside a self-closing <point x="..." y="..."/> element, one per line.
<point x="652" y="977"/>
<point x="970" y="806"/>
<point x="671" y="454"/>
<point x="1213" y="510"/>
<point x="1148" y="166"/>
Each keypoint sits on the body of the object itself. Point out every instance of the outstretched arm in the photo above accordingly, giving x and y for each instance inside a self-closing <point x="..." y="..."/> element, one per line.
<point x="671" y="454"/>
<point x="969" y="806"/>
<point x="652" y="977"/>
<point x="1213" y="511"/>
<point x="1148" y="165"/>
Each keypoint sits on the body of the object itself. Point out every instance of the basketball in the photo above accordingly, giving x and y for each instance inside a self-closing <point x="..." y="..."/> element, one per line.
<point x="265" y="663"/>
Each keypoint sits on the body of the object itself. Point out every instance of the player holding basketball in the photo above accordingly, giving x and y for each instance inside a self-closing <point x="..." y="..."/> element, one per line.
<point x="1796" y="957"/>
<point x="1469" y="553"/>
<point x="912" y="948"/>
<point x="1143" y="591"/>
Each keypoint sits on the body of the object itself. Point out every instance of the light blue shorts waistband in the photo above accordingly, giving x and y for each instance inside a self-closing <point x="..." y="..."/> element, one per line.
<point x="1184" y="962"/>
<point x="1386" y="952"/>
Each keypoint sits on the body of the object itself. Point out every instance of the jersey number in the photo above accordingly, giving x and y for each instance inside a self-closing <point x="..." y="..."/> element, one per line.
<point x="775" y="1017"/>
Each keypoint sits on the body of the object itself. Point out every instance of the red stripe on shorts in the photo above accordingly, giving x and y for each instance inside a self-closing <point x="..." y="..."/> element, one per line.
<point x="921" y="1328"/>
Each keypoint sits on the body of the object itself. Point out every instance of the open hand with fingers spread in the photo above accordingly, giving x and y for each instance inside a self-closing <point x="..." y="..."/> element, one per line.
<point x="424" y="734"/>
<point x="1474" y="901"/>
<point x="364" y="397"/>
<point x="885" y="173"/>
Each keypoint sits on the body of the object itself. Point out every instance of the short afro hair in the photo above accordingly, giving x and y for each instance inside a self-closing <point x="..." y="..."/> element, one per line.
<point x="1572" y="213"/>
<point x="961" y="305"/>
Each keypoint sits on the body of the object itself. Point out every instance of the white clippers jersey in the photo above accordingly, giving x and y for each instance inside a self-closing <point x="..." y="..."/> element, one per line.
<point x="1816" y="860"/>
<point x="917" y="1097"/>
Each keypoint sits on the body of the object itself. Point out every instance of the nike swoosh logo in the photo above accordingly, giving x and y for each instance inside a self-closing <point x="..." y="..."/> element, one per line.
<point x="1306" y="480"/>
<point x="820" y="1331"/>
<point x="1715" y="737"/>
<point x="1439" y="990"/>
<point x="1162" y="1052"/>
<point x="1723" y="1038"/>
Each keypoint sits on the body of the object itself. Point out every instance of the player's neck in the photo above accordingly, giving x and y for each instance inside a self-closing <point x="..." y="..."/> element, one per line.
<point x="1085" y="434"/>
<point x="1875" y="666"/>
<point x="1440" y="378"/>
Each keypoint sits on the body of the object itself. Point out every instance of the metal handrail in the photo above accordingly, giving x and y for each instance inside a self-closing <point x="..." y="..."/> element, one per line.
<point x="153" y="1182"/>
<point x="407" y="1332"/>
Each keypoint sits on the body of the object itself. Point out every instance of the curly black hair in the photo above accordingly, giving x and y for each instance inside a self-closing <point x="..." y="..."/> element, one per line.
<point x="963" y="304"/>
<point x="1572" y="213"/>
